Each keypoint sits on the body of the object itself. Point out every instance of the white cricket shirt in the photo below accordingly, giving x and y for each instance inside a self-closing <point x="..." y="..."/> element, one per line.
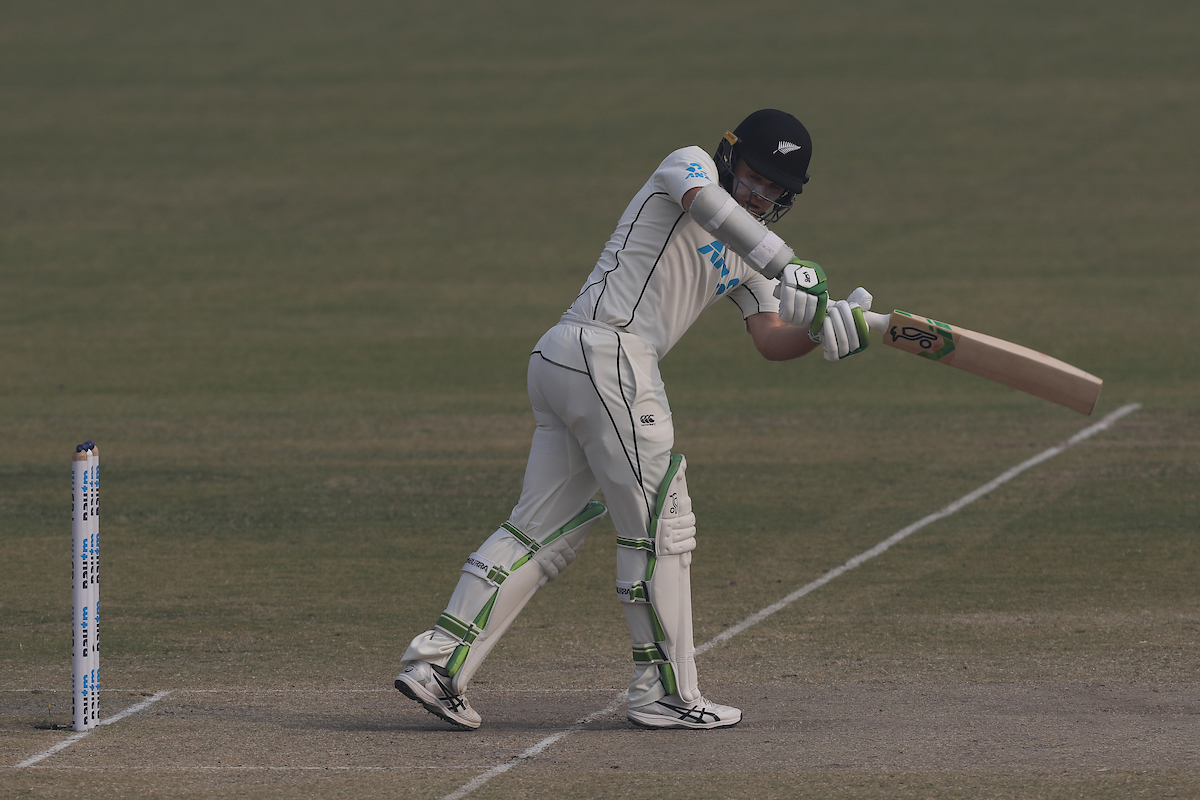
<point x="660" y="269"/>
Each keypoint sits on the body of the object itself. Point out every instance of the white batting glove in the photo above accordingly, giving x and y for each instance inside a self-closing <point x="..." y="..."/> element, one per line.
<point x="860" y="297"/>
<point x="845" y="331"/>
<point x="802" y="295"/>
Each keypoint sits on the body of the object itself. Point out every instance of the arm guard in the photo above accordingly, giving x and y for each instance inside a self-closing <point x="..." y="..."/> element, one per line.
<point x="719" y="214"/>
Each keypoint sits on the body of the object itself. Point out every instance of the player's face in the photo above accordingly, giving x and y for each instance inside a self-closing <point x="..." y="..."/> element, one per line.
<point x="752" y="191"/>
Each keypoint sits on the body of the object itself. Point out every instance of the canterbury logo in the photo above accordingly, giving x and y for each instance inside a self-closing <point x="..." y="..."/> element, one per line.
<point x="787" y="147"/>
<point x="647" y="419"/>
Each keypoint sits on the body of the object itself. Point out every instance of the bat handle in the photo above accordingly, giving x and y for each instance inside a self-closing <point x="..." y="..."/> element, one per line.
<point x="877" y="322"/>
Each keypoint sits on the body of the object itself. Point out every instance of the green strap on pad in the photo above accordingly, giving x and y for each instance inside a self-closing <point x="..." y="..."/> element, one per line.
<point x="467" y="632"/>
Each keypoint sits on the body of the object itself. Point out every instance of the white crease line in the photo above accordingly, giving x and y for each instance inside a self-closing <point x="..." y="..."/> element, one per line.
<point x="904" y="533"/>
<point x="388" y="691"/>
<point x="311" y="691"/>
<point x="500" y="769"/>
<point x="244" y="768"/>
<point x="75" y="737"/>
<point x="861" y="558"/>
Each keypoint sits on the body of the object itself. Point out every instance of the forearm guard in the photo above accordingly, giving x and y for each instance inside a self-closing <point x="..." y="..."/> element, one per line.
<point x="719" y="214"/>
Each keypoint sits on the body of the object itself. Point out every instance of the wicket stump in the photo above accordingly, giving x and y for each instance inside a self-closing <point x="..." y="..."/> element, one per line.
<point x="85" y="583"/>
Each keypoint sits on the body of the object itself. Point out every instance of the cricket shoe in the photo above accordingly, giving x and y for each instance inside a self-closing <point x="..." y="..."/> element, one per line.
<point x="429" y="685"/>
<point x="674" y="712"/>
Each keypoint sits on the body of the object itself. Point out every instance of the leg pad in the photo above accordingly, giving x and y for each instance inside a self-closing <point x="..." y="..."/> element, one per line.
<point x="654" y="581"/>
<point x="498" y="580"/>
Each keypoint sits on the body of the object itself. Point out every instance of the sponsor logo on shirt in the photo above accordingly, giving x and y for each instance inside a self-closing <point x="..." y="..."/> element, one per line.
<point x="715" y="250"/>
<point x="696" y="171"/>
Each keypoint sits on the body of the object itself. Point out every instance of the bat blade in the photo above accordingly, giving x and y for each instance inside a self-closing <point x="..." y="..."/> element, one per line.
<point x="997" y="360"/>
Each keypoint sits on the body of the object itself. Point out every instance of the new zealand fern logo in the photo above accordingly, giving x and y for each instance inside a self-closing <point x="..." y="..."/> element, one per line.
<point x="787" y="147"/>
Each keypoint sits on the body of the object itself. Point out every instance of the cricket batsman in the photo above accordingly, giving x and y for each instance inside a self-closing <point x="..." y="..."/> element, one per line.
<point x="694" y="234"/>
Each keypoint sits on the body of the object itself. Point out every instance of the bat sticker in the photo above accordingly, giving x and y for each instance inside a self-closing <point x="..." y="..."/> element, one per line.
<point x="937" y="335"/>
<point x="926" y="339"/>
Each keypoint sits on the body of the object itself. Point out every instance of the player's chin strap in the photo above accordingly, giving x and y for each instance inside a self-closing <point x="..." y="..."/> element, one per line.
<point x="654" y="581"/>
<point x="498" y="581"/>
<point x="719" y="214"/>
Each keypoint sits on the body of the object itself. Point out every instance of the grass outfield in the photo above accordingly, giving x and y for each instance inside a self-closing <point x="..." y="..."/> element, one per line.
<point x="284" y="263"/>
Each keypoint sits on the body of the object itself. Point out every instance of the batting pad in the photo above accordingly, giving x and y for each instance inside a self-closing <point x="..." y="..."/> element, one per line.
<point x="654" y="583"/>
<point x="498" y="581"/>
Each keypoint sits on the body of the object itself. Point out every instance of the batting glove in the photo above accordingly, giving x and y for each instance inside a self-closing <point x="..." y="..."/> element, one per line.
<point x="845" y="331"/>
<point x="802" y="295"/>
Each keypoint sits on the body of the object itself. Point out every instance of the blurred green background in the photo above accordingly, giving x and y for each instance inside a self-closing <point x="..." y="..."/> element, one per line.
<point x="284" y="263"/>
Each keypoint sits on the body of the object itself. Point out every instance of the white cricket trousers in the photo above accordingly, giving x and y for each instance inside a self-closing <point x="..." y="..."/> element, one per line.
<point x="603" y="423"/>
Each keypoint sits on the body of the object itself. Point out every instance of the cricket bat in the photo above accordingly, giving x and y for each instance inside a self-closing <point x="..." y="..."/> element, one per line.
<point x="988" y="357"/>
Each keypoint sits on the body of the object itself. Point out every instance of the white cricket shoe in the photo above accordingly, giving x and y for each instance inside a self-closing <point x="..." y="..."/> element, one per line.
<point x="674" y="712"/>
<point x="429" y="685"/>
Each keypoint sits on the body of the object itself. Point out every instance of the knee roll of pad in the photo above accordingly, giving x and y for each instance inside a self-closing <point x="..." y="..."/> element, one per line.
<point x="675" y="526"/>
<point x="559" y="555"/>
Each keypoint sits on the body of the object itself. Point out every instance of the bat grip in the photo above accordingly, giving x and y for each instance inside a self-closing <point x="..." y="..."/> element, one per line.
<point x="877" y="322"/>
